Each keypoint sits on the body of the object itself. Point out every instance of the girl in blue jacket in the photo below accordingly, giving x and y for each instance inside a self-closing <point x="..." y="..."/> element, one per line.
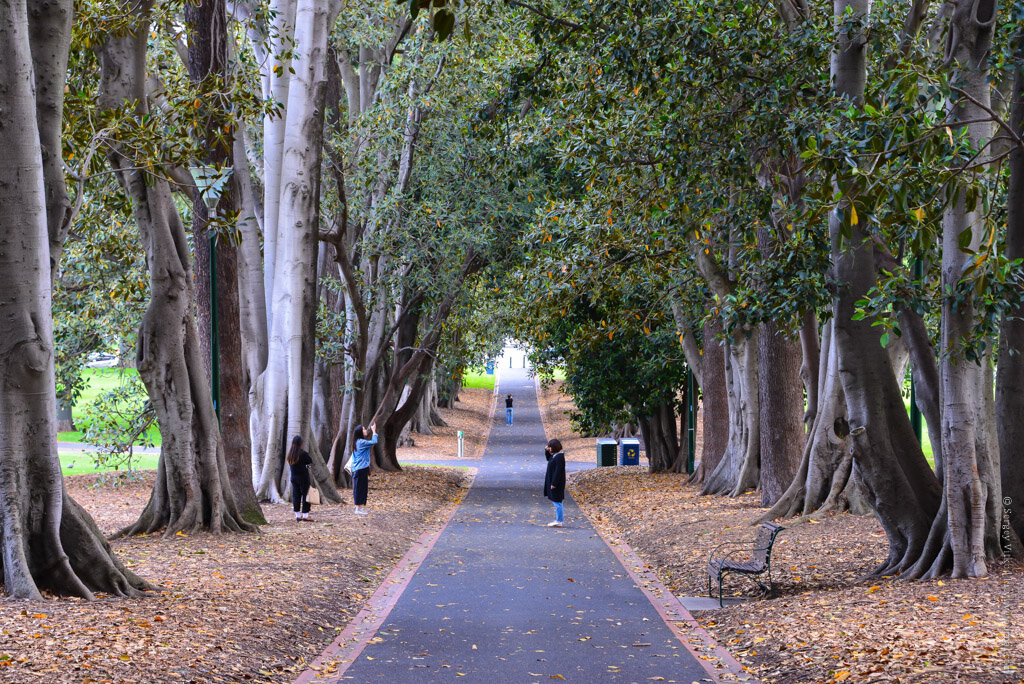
<point x="360" y="466"/>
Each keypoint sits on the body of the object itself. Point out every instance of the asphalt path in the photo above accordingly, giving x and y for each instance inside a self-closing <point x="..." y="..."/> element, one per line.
<point x="503" y="598"/>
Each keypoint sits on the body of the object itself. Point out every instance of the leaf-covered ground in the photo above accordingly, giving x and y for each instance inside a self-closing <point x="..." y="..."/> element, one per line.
<point x="231" y="608"/>
<point x="830" y="623"/>
<point x="470" y="415"/>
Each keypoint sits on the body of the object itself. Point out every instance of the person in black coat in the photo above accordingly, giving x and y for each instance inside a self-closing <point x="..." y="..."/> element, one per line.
<point x="299" y="462"/>
<point x="554" y="479"/>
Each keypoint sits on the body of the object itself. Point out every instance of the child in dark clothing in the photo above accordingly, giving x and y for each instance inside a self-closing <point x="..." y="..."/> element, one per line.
<point x="554" y="479"/>
<point x="299" y="462"/>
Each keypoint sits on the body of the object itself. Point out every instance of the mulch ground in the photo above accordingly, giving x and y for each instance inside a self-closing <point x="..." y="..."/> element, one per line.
<point x="233" y="608"/>
<point x="470" y="415"/>
<point x="830" y="623"/>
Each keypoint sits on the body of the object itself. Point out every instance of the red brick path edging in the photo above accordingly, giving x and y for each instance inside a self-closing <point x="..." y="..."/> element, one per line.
<point x="330" y="665"/>
<point x="720" y="665"/>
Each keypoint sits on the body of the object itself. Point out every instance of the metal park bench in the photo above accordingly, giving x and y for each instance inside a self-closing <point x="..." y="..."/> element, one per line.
<point x="753" y="559"/>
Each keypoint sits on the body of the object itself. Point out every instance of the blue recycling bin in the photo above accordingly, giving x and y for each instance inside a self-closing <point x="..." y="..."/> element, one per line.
<point x="629" y="451"/>
<point x="606" y="452"/>
<point x="490" y="368"/>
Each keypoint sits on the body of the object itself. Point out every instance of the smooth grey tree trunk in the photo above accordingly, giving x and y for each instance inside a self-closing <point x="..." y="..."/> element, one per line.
<point x="966" y="536"/>
<point x="47" y="541"/>
<point x="737" y="471"/>
<point x="293" y="143"/>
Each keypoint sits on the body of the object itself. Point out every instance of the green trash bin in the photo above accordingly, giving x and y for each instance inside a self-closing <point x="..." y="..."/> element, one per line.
<point x="606" y="449"/>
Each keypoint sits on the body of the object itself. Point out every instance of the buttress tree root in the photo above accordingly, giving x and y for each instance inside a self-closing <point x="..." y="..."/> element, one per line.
<point x="193" y="490"/>
<point x="47" y="541"/>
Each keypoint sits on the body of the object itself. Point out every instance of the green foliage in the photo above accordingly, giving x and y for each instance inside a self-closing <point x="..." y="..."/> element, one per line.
<point x="116" y="421"/>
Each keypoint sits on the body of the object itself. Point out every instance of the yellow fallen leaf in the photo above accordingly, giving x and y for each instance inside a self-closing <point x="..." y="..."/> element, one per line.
<point x="932" y="597"/>
<point x="873" y="589"/>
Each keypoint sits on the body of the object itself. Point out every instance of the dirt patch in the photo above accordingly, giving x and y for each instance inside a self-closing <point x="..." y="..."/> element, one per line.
<point x="830" y="623"/>
<point x="471" y="414"/>
<point x="245" y="607"/>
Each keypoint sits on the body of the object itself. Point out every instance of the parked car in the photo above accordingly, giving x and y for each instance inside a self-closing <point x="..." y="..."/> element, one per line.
<point x="101" y="360"/>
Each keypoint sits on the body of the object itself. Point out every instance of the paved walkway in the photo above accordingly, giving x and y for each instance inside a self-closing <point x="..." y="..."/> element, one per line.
<point x="502" y="598"/>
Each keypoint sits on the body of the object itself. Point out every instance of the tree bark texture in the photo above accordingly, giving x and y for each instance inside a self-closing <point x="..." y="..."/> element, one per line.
<point x="293" y="146"/>
<point x="781" y="402"/>
<point x="824" y="481"/>
<point x="193" y="489"/>
<point x="714" y="405"/>
<point x="47" y="541"/>
<point x="738" y="469"/>
<point x="898" y="482"/>
<point x="1010" y="370"/>
<point x="208" y="70"/>
<point x="971" y="487"/>
<point x="665" y="454"/>
<point x="49" y="35"/>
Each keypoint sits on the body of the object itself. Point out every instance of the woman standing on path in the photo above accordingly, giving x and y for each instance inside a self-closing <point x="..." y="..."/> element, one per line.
<point x="508" y="410"/>
<point x="554" y="479"/>
<point x="299" y="462"/>
<point x="360" y="466"/>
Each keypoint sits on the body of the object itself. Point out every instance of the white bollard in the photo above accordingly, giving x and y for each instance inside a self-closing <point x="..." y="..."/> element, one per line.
<point x="460" y="443"/>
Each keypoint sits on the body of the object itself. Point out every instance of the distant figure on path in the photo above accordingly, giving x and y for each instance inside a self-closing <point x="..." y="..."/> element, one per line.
<point x="299" y="462"/>
<point x="508" y="410"/>
<point x="360" y="466"/>
<point x="554" y="479"/>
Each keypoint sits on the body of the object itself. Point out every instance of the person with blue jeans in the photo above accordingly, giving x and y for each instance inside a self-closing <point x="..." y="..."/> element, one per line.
<point x="359" y="466"/>
<point x="508" y="410"/>
<point x="554" y="479"/>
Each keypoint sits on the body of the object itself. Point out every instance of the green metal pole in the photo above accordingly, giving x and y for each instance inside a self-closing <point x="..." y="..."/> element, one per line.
<point x="214" y="346"/>
<point x="691" y="421"/>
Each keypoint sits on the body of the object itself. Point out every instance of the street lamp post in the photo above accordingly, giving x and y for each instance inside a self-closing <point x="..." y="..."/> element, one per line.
<point x="211" y="183"/>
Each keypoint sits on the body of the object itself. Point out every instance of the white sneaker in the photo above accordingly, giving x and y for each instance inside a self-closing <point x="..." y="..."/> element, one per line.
<point x="554" y="523"/>
<point x="360" y="511"/>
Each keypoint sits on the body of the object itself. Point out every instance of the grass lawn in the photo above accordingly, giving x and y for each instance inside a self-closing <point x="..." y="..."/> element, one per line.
<point x="477" y="378"/>
<point x="79" y="462"/>
<point x="926" y="442"/>
<point x="98" y="381"/>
